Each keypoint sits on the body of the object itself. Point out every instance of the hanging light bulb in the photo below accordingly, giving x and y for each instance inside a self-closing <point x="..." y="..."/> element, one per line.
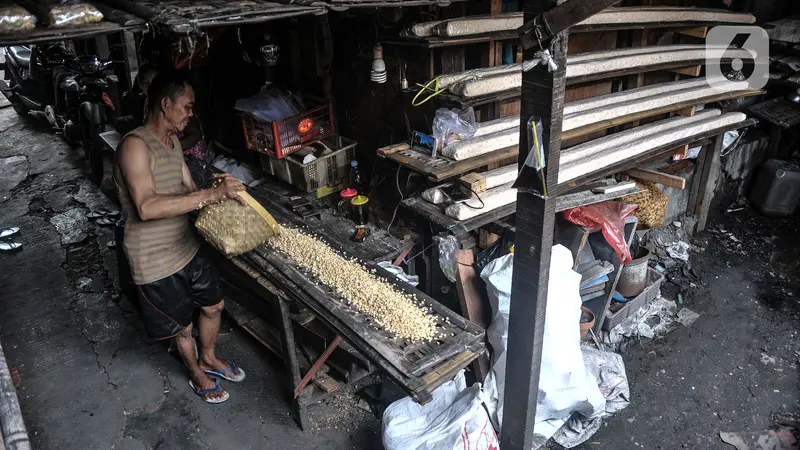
<point x="378" y="72"/>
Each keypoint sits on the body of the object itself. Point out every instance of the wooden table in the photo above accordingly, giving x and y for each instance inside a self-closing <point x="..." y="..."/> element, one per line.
<point x="286" y="295"/>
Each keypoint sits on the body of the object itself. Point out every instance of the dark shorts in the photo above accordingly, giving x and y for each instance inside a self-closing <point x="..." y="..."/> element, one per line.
<point x="168" y="304"/>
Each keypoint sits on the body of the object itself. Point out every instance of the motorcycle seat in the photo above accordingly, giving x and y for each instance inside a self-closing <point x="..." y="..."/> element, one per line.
<point x="21" y="54"/>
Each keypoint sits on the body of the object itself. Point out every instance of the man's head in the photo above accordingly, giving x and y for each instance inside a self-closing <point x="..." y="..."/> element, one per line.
<point x="170" y="100"/>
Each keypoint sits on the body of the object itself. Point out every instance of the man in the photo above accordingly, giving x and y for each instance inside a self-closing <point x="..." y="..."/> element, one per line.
<point x="171" y="270"/>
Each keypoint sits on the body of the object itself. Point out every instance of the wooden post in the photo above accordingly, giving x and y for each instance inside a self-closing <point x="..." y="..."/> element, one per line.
<point x="542" y="96"/>
<point x="707" y="173"/>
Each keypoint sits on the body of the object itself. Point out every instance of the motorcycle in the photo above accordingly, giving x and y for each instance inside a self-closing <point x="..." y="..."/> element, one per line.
<point x="70" y="90"/>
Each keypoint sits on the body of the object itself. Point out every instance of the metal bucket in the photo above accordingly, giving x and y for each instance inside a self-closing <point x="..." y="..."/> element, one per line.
<point x="633" y="278"/>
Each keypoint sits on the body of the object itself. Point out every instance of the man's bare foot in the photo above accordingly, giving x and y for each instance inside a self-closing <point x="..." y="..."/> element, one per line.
<point x="203" y="382"/>
<point x="224" y="369"/>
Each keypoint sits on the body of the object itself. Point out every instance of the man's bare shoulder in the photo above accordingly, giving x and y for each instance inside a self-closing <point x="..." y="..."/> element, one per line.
<point x="133" y="146"/>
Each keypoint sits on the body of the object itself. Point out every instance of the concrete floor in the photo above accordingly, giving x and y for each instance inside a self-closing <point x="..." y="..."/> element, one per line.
<point x="88" y="378"/>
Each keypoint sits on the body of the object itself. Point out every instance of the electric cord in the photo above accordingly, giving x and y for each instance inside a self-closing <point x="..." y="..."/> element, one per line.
<point x="402" y="197"/>
<point x="483" y="205"/>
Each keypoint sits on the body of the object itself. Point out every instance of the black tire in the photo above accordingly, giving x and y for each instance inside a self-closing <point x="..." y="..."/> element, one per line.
<point x="20" y="108"/>
<point x="93" y="150"/>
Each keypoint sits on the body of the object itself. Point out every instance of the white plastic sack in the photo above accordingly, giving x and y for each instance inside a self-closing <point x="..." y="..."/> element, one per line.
<point x="564" y="384"/>
<point x="454" y="420"/>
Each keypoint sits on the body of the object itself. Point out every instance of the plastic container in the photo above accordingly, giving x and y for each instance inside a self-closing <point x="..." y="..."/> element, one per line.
<point x="343" y="207"/>
<point x="654" y="280"/>
<point x="356" y="178"/>
<point x="777" y="188"/>
<point x="282" y="137"/>
<point x="325" y="170"/>
<point x="360" y="210"/>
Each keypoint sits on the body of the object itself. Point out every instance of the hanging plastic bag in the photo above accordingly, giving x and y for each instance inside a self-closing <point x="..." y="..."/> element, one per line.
<point x="452" y="125"/>
<point x="447" y="256"/>
<point x="497" y="249"/>
<point x="610" y="218"/>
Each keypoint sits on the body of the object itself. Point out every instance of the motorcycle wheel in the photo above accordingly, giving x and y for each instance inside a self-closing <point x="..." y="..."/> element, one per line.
<point x="93" y="151"/>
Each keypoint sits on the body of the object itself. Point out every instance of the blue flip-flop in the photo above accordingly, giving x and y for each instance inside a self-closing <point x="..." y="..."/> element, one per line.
<point x="234" y="374"/>
<point x="214" y="390"/>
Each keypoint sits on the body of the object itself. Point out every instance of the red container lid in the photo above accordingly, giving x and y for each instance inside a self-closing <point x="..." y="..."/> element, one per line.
<point x="349" y="193"/>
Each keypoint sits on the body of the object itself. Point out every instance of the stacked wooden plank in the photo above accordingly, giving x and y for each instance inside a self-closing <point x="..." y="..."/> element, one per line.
<point x="611" y="18"/>
<point x="605" y="111"/>
<point x="591" y="66"/>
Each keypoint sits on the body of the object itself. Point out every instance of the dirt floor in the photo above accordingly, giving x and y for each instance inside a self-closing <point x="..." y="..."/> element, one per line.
<point x="734" y="368"/>
<point x="88" y="378"/>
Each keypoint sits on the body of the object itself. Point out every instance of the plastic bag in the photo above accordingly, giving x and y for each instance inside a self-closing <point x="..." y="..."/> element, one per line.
<point x="447" y="256"/>
<point x="269" y="105"/>
<point x="610" y="217"/>
<point x="452" y="125"/>
<point x="14" y="19"/>
<point x="73" y="14"/>
<point x="454" y="419"/>
<point x="497" y="249"/>
<point x="62" y="13"/>
<point x="565" y="386"/>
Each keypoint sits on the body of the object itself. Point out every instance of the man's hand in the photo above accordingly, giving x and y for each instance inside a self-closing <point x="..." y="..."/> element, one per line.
<point x="227" y="186"/>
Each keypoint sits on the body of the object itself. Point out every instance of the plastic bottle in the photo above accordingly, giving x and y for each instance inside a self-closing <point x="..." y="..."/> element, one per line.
<point x="357" y="178"/>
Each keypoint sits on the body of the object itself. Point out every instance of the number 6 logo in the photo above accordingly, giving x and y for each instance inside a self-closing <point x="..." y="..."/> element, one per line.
<point x="718" y="42"/>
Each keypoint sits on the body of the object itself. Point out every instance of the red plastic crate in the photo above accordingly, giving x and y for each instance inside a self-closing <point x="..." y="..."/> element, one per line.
<point x="283" y="137"/>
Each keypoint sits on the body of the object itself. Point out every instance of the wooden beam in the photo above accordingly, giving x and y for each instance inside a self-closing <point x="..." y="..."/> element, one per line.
<point x="708" y="174"/>
<point x="688" y="112"/>
<point x="542" y="96"/>
<point x="471" y="302"/>
<point x="475" y="182"/>
<point x="658" y="177"/>
<point x="486" y="238"/>
<point x="692" y="71"/>
<point x="698" y="32"/>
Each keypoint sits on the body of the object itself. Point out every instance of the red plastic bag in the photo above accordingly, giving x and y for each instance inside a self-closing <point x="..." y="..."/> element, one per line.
<point x="610" y="217"/>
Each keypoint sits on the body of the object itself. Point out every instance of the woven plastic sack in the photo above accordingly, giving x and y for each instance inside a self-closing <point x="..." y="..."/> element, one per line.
<point x="234" y="228"/>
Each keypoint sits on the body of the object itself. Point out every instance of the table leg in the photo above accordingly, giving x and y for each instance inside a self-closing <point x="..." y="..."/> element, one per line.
<point x="317" y="365"/>
<point x="299" y="409"/>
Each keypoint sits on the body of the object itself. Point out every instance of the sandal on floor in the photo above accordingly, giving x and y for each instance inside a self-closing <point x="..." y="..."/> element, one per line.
<point x="10" y="246"/>
<point x="8" y="232"/>
<point x="234" y="374"/>
<point x="214" y="390"/>
<point x="105" y="221"/>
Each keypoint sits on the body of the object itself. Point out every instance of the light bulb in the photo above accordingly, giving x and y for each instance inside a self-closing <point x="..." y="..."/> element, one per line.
<point x="378" y="71"/>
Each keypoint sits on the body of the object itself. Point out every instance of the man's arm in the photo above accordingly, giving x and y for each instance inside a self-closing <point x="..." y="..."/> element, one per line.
<point x="135" y="160"/>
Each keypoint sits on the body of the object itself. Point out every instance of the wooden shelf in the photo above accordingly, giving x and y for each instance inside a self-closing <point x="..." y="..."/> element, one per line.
<point x="436" y="214"/>
<point x="440" y="169"/>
